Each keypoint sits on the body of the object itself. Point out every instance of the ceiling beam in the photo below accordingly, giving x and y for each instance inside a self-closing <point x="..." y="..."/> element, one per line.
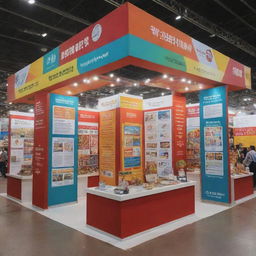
<point x="62" y="13"/>
<point x="249" y="6"/>
<point x="114" y="3"/>
<point x="235" y="15"/>
<point x="206" y="25"/>
<point x="63" y="31"/>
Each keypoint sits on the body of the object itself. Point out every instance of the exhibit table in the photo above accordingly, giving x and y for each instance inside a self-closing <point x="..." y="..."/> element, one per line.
<point x="19" y="187"/>
<point x="141" y="209"/>
<point x="241" y="185"/>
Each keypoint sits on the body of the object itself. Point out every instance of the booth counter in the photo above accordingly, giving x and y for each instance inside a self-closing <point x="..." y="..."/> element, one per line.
<point x="19" y="187"/>
<point x="140" y="210"/>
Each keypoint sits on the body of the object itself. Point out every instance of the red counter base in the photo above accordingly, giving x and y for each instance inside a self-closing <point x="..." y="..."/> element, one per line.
<point x="243" y="187"/>
<point x="14" y="187"/>
<point x="126" y="218"/>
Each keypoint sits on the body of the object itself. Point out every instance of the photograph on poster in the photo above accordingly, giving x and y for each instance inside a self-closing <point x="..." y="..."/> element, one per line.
<point x="164" y="115"/>
<point x="213" y="111"/>
<point x="62" y="177"/>
<point x="131" y="130"/>
<point x="213" y="138"/>
<point x="151" y="167"/>
<point x="150" y="116"/>
<point x="214" y="163"/>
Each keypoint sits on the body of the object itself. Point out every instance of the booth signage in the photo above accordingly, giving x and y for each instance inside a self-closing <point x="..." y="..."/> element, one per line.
<point x="214" y="145"/>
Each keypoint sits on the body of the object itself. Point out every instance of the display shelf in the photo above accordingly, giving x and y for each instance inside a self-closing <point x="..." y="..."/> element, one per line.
<point x="21" y="177"/>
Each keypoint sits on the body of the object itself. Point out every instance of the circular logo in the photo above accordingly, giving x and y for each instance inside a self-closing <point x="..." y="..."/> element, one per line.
<point x="96" y="32"/>
<point x="209" y="55"/>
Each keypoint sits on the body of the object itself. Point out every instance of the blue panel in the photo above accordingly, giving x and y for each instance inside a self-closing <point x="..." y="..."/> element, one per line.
<point x="51" y="60"/>
<point x="62" y="193"/>
<point x="214" y="145"/>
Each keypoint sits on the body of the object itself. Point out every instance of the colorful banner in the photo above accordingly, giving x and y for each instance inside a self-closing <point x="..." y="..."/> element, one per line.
<point x="62" y="151"/>
<point x="21" y="141"/>
<point x="215" y="172"/>
<point x="244" y="130"/>
<point x="4" y="127"/>
<point x="158" y="136"/>
<point x="88" y="139"/>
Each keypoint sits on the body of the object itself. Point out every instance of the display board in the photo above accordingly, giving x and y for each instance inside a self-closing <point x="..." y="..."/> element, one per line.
<point x="21" y="141"/>
<point x="193" y="138"/>
<point x="215" y="169"/>
<point x="63" y="144"/>
<point x="158" y="135"/>
<point x="245" y="130"/>
<point x="4" y="126"/>
<point x="121" y="123"/>
<point x="88" y="139"/>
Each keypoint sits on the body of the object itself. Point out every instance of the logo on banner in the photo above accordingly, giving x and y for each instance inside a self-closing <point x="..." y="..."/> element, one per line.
<point x="96" y="32"/>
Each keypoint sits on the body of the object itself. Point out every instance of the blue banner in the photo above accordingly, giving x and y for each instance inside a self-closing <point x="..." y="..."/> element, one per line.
<point x="215" y="174"/>
<point x="51" y="60"/>
<point x="63" y="144"/>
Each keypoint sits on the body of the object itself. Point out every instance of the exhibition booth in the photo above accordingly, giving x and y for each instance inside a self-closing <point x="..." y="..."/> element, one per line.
<point x="138" y="158"/>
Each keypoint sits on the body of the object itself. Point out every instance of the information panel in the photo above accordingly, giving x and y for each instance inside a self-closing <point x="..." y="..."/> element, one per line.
<point x="63" y="143"/>
<point x="214" y="145"/>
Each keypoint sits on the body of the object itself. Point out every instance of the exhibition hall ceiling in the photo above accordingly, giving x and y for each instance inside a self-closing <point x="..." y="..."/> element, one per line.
<point x="28" y="31"/>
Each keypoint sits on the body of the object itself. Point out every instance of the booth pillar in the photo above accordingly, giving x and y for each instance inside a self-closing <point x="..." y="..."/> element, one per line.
<point x="55" y="150"/>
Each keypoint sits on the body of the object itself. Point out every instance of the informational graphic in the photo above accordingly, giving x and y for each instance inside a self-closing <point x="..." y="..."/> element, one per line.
<point x="62" y="177"/>
<point x="88" y="140"/>
<point x="21" y="136"/>
<point x="215" y="171"/>
<point x="4" y="126"/>
<point x="63" y="120"/>
<point x="62" y="152"/>
<point x="158" y="144"/>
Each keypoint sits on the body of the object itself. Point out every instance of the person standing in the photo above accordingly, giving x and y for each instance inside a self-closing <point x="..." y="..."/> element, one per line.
<point x="3" y="162"/>
<point x="250" y="160"/>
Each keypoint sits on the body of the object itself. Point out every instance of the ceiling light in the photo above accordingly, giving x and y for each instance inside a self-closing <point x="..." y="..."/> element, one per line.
<point x="118" y="79"/>
<point x="69" y="92"/>
<point x="31" y="110"/>
<point x="171" y="79"/>
<point x="81" y="94"/>
<point x="162" y="93"/>
<point x="111" y="75"/>
<point x="168" y="88"/>
<point x="31" y="1"/>
<point x="112" y="85"/>
<point x="147" y="80"/>
<point x="135" y="84"/>
<point x="95" y="78"/>
<point x="183" y="80"/>
<point x="165" y="76"/>
<point x="44" y="34"/>
<point x="189" y="81"/>
<point x="178" y="17"/>
<point x="43" y="49"/>
<point x="75" y="84"/>
<point x="10" y="103"/>
<point x="254" y="105"/>
<point x="212" y="35"/>
<point x="141" y="94"/>
<point x="186" y="88"/>
<point x="126" y="90"/>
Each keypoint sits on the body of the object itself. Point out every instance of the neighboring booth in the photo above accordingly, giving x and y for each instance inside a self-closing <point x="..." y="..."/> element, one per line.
<point x="4" y="126"/>
<point x="21" y="142"/>
<point x="128" y="38"/>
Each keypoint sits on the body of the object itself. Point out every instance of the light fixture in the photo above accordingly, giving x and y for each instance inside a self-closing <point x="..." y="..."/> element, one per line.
<point x="81" y="94"/>
<point x="44" y="34"/>
<point x="162" y="93"/>
<point x="118" y="79"/>
<point x="95" y="78"/>
<point x="171" y="79"/>
<point x="254" y="105"/>
<point x="10" y="103"/>
<point x="111" y="75"/>
<point x="135" y="84"/>
<point x="43" y="49"/>
<point x="186" y="88"/>
<point x="183" y="80"/>
<point x="69" y="92"/>
<point x="31" y="1"/>
<point x="165" y="76"/>
<point x="141" y="94"/>
<point x="200" y="86"/>
<point x="75" y="84"/>
<point x="189" y="81"/>
<point x="31" y="110"/>
<point x="112" y="85"/>
<point x="178" y="17"/>
<point x="147" y="80"/>
<point x="168" y="88"/>
<point x="126" y="90"/>
<point x="212" y="35"/>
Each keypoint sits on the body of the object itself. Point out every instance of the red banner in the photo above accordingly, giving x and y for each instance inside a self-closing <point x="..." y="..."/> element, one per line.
<point x="245" y="131"/>
<point x="193" y="111"/>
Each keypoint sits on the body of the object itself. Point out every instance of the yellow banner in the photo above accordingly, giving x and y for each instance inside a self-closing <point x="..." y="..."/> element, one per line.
<point x="131" y="103"/>
<point x="245" y="141"/>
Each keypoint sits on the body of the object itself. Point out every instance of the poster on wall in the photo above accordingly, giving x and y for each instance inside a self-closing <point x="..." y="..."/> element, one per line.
<point x="4" y="126"/>
<point x="88" y="140"/>
<point x="215" y="171"/>
<point x="193" y="138"/>
<point x="21" y="143"/>
<point x="63" y="153"/>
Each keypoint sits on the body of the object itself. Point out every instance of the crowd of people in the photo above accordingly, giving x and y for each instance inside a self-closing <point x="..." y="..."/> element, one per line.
<point x="3" y="161"/>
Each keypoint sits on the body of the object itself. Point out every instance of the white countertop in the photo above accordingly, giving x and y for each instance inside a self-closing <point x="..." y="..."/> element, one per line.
<point x="87" y="175"/>
<point x="20" y="177"/>
<point x="193" y="173"/>
<point x="238" y="176"/>
<point x="136" y="191"/>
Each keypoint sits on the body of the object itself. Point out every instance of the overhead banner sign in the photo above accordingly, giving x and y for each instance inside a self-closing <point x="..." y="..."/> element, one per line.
<point x="215" y="171"/>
